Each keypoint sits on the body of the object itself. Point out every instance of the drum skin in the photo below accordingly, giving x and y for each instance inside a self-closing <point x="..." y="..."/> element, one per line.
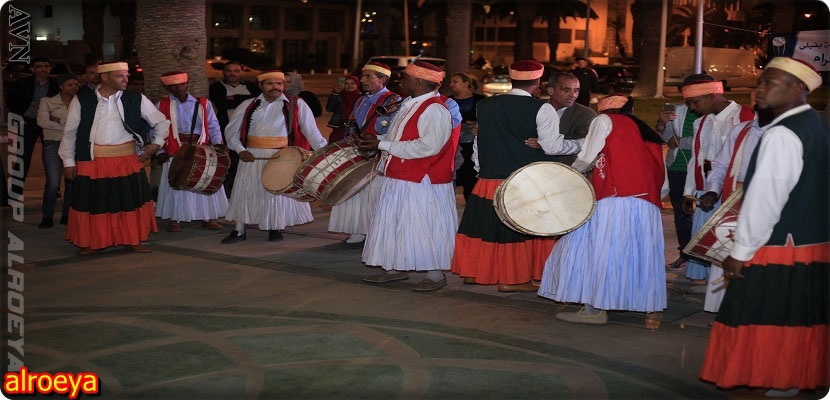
<point x="714" y="241"/>
<point x="335" y="173"/>
<point x="278" y="174"/>
<point x="199" y="168"/>
<point x="544" y="199"/>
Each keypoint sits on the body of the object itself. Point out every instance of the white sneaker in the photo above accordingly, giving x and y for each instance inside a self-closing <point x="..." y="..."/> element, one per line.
<point x="600" y="318"/>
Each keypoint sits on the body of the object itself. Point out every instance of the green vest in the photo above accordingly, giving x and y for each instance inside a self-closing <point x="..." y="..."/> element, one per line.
<point x="130" y="100"/>
<point x="504" y="122"/>
<point x="805" y="214"/>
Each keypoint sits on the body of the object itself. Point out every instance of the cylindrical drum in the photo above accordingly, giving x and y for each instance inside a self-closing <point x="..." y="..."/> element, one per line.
<point x="278" y="174"/>
<point x="199" y="168"/>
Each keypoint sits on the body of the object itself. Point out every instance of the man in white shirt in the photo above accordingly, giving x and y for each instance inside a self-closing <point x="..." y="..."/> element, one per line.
<point x="719" y="116"/>
<point x="257" y="131"/>
<point x="111" y="203"/>
<point x="775" y="310"/>
<point x="415" y="216"/>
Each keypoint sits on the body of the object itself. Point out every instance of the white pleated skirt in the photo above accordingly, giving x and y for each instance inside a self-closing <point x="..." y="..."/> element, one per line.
<point x="250" y="203"/>
<point x="613" y="262"/>
<point x="186" y="206"/>
<point x="355" y="214"/>
<point x="414" y="226"/>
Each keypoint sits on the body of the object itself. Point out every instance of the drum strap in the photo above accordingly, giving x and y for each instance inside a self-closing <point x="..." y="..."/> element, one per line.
<point x="193" y="120"/>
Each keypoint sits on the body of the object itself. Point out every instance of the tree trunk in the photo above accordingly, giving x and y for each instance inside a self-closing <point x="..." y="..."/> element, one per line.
<point x="166" y="41"/>
<point x="459" y="16"/>
<point x="92" y="12"/>
<point x="647" y="50"/>
<point x="553" y="34"/>
<point x="526" y="11"/>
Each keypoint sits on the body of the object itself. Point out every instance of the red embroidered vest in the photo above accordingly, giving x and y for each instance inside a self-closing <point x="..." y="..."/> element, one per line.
<point x="747" y="114"/>
<point x="171" y="145"/>
<point x="628" y="165"/>
<point x="438" y="167"/>
<point x="372" y="116"/>
<point x="730" y="181"/>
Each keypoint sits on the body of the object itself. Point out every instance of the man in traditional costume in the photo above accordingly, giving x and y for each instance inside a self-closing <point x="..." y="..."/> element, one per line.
<point x="614" y="261"/>
<point x="257" y="132"/>
<point x="771" y="330"/>
<point x="111" y="200"/>
<point x="192" y="120"/>
<point x="719" y="116"/>
<point x="487" y="251"/>
<point x="415" y="215"/>
<point x="354" y="215"/>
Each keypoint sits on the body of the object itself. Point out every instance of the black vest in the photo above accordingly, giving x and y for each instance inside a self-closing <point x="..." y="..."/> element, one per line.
<point x="131" y="100"/>
<point x="504" y="122"/>
<point x="805" y="215"/>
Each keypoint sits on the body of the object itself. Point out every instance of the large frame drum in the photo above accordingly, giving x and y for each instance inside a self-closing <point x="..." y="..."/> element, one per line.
<point x="713" y="241"/>
<point x="544" y="199"/>
<point x="278" y="174"/>
<point x="335" y="173"/>
<point x="199" y="168"/>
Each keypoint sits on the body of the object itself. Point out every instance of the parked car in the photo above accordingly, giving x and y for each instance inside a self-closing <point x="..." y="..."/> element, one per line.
<point x="616" y="78"/>
<point x="214" y="66"/>
<point x="496" y="84"/>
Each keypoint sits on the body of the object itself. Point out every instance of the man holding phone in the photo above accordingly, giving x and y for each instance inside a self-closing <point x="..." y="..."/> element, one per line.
<point x="674" y="123"/>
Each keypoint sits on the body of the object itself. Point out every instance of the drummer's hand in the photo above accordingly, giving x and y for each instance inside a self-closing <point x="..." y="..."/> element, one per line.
<point x="69" y="173"/>
<point x="533" y="143"/>
<point x="149" y="150"/>
<point x="368" y="142"/>
<point x="688" y="205"/>
<point x="246" y="156"/>
<point x="162" y="158"/>
<point x="708" y="200"/>
<point x="732" y="268"/>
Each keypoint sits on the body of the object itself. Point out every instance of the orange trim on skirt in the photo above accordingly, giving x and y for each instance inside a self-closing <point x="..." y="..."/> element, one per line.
<point x="99" y="231"/>
<point x="791" y="255"/>
<point x="767" y="356"/>
<point x="509" y="263"/>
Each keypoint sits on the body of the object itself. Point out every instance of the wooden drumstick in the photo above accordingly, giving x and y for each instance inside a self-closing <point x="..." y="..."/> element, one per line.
<point x="274" y="157"/>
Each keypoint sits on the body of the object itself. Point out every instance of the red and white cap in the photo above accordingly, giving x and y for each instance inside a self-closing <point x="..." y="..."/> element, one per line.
<point x="526" y="70"/>
<point x="426" y="71"/>
<point x="378" y="67"/>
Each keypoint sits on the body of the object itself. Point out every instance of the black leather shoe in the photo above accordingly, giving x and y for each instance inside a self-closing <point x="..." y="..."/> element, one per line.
<point x="274" y="235"/>
<point x="234" y="237"/>
<point x="46" y="223"/>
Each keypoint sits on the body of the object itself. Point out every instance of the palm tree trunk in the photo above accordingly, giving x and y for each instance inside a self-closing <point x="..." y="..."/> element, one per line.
<point x="647" y="50"/>
<point x="92" y="12"/>
<point x="459" y="15"/>
<point x="526" y="12"/>
<point x="171" y="37"/>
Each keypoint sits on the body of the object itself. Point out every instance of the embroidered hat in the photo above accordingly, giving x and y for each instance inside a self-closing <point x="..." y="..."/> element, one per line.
<point x="800" y="69"/>
<point x="611" y="102"/>
<point x="379" y="67"/>
<point x="526" y="70"/>
<point x="273" y="74"/>
<point x="174" y="78"/>
<point x="424" y="70"/>
<point x="112" y="66"/>
<point x="701" y="88"/>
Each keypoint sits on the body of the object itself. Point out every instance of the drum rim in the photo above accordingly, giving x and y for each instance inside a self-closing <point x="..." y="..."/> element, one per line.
<point x="209" y="189"/>
<point x="303" y="157"/>
<point x="307" y="165"/>
<point x="725" y="207"/>
<point x="326" y="193"/>
<point x="498" y="196"/>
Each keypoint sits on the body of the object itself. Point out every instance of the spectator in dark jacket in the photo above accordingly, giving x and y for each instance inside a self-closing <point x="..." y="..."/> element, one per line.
<point x="24" y="100"/>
